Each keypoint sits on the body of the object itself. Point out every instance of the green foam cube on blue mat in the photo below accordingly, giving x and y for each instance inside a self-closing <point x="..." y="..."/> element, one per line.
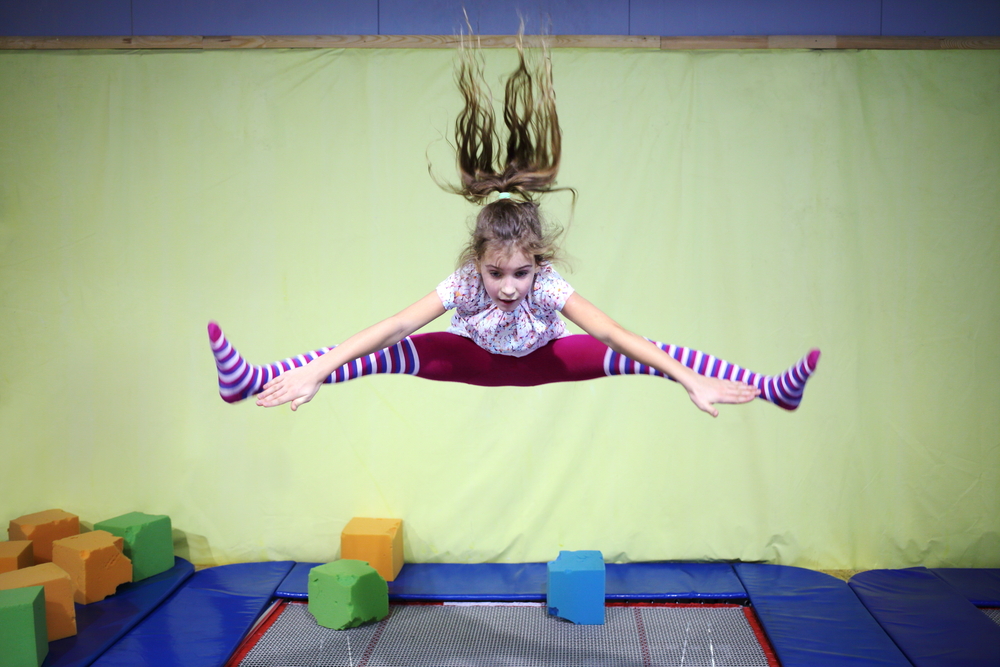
<point x="149" y="541"/>
<point x="23" y="632"/>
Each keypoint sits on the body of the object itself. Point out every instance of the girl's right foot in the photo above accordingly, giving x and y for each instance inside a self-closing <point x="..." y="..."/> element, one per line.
<point x="237" y="378"/>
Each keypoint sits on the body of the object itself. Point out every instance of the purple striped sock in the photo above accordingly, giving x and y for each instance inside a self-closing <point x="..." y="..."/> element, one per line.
<point x="783" y="390"/>
<point x="239" y="380"/>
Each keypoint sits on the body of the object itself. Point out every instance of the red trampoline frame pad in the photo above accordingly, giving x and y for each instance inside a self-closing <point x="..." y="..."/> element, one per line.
<point x="274" y="612"/>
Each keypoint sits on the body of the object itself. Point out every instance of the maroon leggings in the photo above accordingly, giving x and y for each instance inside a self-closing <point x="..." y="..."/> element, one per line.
<point x="448" y="357"/>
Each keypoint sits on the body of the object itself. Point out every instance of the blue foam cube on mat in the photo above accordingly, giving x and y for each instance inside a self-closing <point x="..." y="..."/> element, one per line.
<point x="576" y="587"/>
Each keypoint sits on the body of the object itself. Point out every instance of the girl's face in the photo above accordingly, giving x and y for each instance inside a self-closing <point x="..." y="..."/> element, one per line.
<point x="508" y="278"/>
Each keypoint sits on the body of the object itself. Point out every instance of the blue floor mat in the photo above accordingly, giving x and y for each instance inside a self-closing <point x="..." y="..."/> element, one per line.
<point x="930" y="621"/>
<point x="100" y="624"/>
<point x="525" y="582"/>
<point x="204" y="622"/>
<point x="814" y="620"/>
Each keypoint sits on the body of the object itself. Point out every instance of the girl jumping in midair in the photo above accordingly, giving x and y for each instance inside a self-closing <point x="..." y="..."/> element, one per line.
<point x="506" y="294"/>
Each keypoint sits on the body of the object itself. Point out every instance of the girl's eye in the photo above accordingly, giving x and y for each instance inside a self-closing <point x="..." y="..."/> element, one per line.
<point x="521" y="274"/>
<point x="494" y="274"/>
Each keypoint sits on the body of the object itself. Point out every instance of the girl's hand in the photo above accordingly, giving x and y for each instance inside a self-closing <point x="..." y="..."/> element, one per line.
<point x="296" y="386"/>
<point x="705" y="391"/>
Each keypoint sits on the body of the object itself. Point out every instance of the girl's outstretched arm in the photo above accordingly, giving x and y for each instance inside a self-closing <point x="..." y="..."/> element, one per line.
<point x="299" y="385"/>
<point x="704" y="391"/>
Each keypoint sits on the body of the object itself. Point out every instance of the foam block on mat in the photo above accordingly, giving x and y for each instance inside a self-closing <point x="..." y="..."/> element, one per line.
<point x="94" y="562"/>
<point x="60" y="614"/>
<point x="378" y="542"/>
<point x="43" y="528"/>
<point x="346" y="593"/>
<point x="149" y="541"/>
<point x="576" y="582"/>
<point x="23" y="637"/>
<point x="16" y="554"/>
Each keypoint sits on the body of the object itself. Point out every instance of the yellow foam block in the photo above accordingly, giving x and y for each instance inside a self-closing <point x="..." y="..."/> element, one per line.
<point x="60" y="614"/>
<point x="16" y="554"/>
<point x="43" y="528"/>
<point x="378" y="542"/>
<point x="94" y="562"/>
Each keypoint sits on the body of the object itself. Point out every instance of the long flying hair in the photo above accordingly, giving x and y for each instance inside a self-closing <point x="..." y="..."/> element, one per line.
<point x="524" y="165"/>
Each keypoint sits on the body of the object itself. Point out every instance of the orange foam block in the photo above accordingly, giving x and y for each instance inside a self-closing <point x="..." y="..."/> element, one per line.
<point x="378" y="542"/>
<point x="94" y="562"/>
<point x="60" y="614"/>
<point x="43" y="528"/>
<point x="16" y="554"/>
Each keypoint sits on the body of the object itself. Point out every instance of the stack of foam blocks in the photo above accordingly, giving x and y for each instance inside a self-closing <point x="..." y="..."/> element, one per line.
<point x="353" y="590"/>
<point x="48" y="565"/>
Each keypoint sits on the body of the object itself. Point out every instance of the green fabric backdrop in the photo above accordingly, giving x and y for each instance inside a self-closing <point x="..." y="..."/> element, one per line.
<point x="752" y="204"/>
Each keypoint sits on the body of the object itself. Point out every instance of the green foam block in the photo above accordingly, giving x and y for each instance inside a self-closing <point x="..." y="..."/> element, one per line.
<point x="346" y="593"/>
<point x="149" y="541"/>
<point x="23" y="632"/>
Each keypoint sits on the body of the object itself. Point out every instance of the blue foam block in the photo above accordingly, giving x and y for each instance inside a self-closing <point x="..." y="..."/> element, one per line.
<point x="814" y="620"/>
<point x="930" y="621"/>
<point x="576" y="587"/>
<point x="204" y="622"/>
<point x="101" y="624"/>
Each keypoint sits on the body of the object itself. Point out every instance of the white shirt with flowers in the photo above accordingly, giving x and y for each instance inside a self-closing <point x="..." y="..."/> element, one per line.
<point x="531" y="325"/>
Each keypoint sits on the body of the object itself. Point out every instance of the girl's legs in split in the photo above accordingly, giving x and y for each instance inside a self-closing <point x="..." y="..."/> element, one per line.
<point x="450" y="358"/>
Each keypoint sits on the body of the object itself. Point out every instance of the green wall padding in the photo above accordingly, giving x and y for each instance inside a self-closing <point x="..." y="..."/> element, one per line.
<point x="751" y="204"/>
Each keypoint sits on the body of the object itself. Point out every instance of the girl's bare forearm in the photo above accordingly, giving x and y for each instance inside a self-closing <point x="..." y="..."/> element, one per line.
<point x="380" y="335"/>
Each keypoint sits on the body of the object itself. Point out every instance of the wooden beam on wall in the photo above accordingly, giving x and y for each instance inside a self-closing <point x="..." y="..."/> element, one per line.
<point x="499" y="41"/>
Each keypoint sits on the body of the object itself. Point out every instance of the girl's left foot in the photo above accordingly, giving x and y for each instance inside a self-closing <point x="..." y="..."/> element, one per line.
<point x="785" y="390"/>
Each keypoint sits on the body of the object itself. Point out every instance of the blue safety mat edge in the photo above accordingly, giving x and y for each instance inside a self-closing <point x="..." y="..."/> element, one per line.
<point x="931" y="621"/>
<point x="204" y="621"/>
<point x="525" y="582"/>
<point x="100" y="624"/>
<point x="981" y="587"/>
<point x="815" y="620"/>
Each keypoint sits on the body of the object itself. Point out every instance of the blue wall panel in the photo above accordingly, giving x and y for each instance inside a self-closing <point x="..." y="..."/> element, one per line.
<point x="941" y="18"/>
<point x="65" y="18"/>
<point x="761" y="17"/>
<point x="255" y="17"/>
<point x="444" y="17"/>
<point x="500" y="17"/>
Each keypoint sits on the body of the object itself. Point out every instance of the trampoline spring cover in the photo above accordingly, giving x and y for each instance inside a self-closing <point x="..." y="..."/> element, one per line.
<point x="445" y="635"/>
